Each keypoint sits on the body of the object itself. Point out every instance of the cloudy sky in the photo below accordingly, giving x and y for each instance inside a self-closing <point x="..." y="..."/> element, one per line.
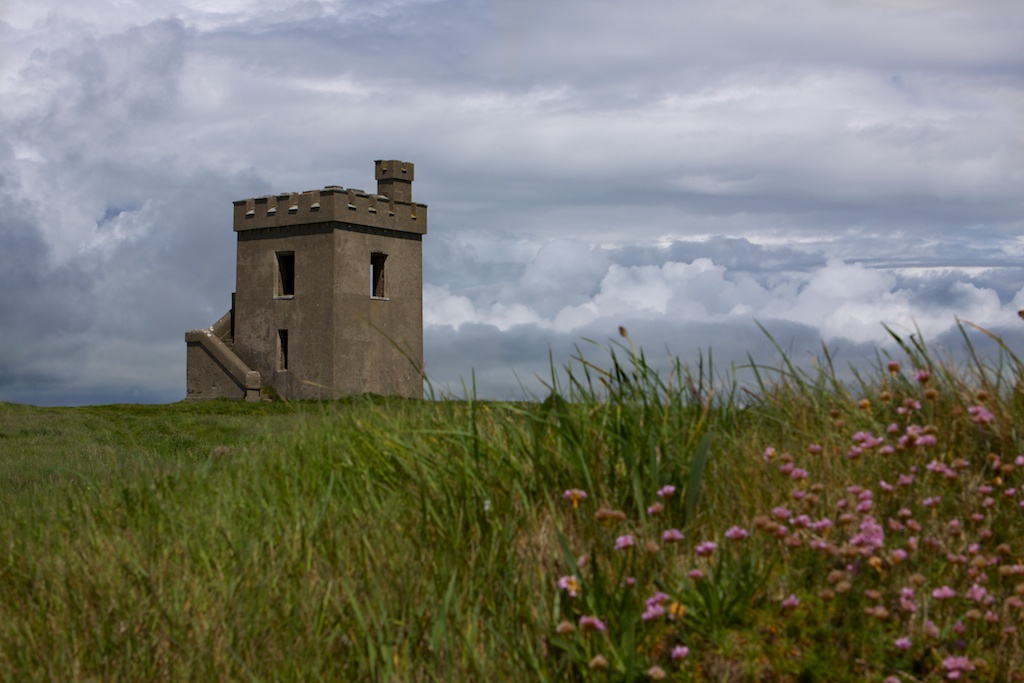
<point x="685" y="168"/>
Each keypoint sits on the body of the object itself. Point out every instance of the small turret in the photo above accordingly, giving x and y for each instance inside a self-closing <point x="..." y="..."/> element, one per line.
<point x="394" y="179"/>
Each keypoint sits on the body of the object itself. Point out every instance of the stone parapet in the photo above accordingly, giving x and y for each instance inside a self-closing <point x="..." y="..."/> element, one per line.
<point x="214" y="371"/>
<point x="222" y="328"/>
<point x="331" y="204"/>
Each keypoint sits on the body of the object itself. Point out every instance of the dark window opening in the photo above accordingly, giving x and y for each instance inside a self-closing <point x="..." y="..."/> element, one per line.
<point x="377" y="289"/>
<point x="285" y="273"/>
<point x="282" y="349"/>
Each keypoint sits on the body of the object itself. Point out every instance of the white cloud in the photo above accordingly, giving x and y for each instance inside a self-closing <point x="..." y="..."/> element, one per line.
<point x="842" y="301"/>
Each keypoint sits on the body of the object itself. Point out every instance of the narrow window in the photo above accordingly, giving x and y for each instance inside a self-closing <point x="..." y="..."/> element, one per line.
<point x="285" y="273"/>
<point x="282" y="349"/>
<point x="377" y="289"/>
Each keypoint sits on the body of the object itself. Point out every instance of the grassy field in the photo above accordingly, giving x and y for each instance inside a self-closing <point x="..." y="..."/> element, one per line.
<point x="631" y="527"/>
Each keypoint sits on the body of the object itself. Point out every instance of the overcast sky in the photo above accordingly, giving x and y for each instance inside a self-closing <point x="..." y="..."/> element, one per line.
<point x="684" y="168"/>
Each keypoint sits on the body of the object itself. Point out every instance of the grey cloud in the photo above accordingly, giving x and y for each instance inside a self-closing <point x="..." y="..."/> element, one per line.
<point x="118" y="77"/>
<point x="609" y="38"/>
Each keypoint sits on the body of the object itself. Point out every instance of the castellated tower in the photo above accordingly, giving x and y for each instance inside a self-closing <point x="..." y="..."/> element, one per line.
<point x="328" y="296"/>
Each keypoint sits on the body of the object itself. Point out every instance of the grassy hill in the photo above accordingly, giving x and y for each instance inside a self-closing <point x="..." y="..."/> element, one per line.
<point x="631" y="527"/>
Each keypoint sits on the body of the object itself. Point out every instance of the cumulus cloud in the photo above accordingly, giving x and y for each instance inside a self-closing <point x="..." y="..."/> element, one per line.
<point x="683" y="169"/>
<point x="690" y="309"/>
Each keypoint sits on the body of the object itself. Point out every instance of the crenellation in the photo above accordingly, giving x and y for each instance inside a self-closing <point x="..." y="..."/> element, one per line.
<point x="330" y="204"/>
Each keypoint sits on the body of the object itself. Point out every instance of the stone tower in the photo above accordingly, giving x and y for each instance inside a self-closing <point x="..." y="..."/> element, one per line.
<point x="328" y="296"/>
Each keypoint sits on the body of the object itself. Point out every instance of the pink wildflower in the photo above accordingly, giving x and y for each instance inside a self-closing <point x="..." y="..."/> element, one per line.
<point x="955" y="666"/>
<point x="943" y="593"/>
<point x="623" y="542"/>
<point x="655" y="509"/>
<point x="980" y="414"/>
<point x="570" y="585"/>
<point x="658" y="598"/>
<point x="903" y="643"/>
<point x="680" y="652"/>
<point x="871" y="536"/>
<point x="976" y="593"/>
<point x="821" y="525"/>
<point x="672" y="536"/>
<point x="706" y="548"/>
<point x="736" y="533"/>
<point x="695" y="574"/>
<point x="907" y="603"/>
<point x="653" y="611"/>
<point x="791" y="602"/>
<point x="590" y="623"/>
<point x="666" y="491"/>
<point x="574" y="496"/>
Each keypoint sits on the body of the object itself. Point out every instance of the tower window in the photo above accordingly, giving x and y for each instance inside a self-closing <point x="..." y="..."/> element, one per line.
<point x="285" y="273"/>
<point x="282" y="349"/>
<point x="377" y="288"/>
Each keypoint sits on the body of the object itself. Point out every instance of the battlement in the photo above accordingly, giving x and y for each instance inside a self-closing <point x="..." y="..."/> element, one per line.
<point x="390" y="209"/>
<point x="394" y="179"/>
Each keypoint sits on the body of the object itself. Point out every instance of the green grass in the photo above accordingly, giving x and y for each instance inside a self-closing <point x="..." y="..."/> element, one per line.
<point x="48" y="450"/>
<point x="395" y="540"/>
